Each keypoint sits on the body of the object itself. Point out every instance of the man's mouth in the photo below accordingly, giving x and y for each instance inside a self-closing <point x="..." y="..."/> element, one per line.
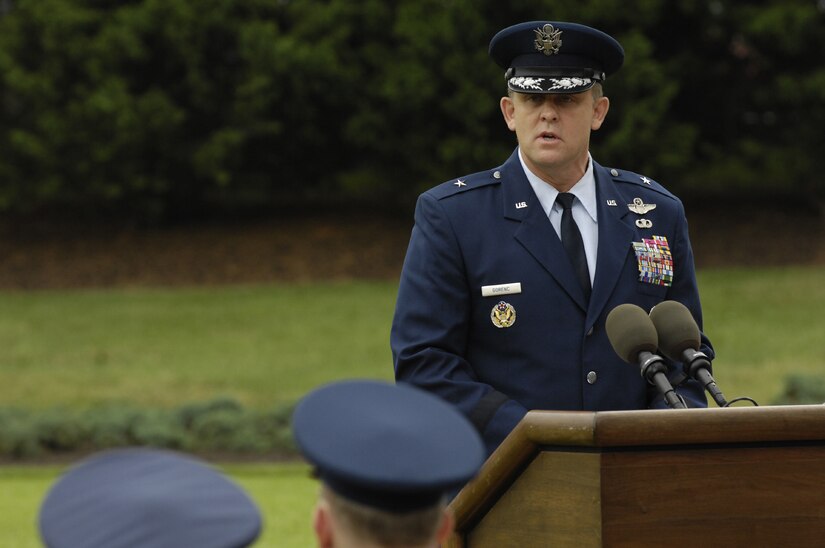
<point x="548" y="136"/>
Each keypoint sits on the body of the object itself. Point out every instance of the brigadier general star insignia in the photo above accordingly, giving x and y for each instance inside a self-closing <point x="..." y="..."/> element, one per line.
<point x="460" y="183"/>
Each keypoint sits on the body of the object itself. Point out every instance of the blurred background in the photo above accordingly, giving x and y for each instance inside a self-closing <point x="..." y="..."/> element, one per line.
<point x="205" y="204"/>
<point x="124" y="124"/>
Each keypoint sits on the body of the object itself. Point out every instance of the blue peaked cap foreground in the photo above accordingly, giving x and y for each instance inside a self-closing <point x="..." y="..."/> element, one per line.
<point x="147" y="498"/>
<point x="555" y="57"/>
<point x="386" y="446"/>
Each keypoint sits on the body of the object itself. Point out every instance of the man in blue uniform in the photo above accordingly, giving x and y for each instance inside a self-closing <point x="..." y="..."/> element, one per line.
<point x="511" y="272"/>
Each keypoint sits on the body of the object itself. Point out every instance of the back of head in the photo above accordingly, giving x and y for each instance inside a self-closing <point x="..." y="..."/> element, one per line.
<point x="363" y="525"/>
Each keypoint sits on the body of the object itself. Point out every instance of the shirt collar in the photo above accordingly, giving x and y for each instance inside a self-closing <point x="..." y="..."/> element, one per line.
<point x="584" y="189"/>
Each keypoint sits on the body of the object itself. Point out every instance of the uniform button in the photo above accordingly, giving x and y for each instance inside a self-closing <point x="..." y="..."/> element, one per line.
<point x="614" y="172"/>
<point x="591" y="377"/>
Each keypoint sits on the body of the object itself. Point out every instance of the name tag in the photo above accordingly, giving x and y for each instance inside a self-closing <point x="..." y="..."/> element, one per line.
<point x="500" y="289"/>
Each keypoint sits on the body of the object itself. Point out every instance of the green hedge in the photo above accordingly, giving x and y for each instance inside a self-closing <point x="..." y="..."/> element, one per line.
<point x="219" y="426"/>
<point x="802" y="389"/>
<point x="156" y="107"/>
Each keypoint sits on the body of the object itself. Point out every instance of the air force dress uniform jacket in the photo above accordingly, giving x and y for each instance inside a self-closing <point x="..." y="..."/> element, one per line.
<point x="531" y="341"/>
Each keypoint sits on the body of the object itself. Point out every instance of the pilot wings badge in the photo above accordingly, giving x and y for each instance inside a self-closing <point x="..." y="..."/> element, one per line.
<point x="548" y="40"/>
<point x="638" y="206"/>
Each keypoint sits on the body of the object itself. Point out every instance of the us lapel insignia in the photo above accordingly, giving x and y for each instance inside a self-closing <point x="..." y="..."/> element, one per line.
<point x="640" y="207"/>
<point x="503" y="315"/>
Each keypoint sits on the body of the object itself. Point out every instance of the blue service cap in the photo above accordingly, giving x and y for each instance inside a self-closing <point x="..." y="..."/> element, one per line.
<point x="391" y="447"/>
<point x="146" y="498"/>
<point x="554" y="56"/>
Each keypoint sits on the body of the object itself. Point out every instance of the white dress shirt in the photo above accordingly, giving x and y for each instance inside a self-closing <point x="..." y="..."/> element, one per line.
<point x="584" y="208"/>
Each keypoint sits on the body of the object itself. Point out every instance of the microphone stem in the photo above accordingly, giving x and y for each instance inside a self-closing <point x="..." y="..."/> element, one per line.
<point x="698" y="367"/>
<point x="664" y="386"/>
<point x="653" y="369"/>
<point x="709" y="384"/>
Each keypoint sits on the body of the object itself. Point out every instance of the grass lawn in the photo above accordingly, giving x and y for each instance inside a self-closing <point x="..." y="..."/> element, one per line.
<point x="22" y="491"/>
<point x="265" y="345"/>
<point x="261" y="345"/>
<point x="765" y="324"/>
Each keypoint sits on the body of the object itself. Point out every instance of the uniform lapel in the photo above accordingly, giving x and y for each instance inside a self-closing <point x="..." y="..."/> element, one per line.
<point x="535" y="232"/>
<point x="615" y="237"/>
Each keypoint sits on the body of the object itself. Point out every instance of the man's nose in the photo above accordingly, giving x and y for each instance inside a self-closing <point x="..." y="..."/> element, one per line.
<point x="549" y="112"/>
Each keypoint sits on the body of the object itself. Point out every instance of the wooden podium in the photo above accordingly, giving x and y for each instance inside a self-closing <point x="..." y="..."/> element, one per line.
<point x="744" y="476"/>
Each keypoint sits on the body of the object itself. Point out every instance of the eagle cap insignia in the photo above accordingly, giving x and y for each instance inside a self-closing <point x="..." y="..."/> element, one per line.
<point x="503" y="315"/>
<point x="548" y="39"/>
<point x="640" y="207"/>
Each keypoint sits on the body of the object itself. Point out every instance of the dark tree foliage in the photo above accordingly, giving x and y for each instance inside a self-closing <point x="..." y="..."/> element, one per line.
<point x="158" y="108"/>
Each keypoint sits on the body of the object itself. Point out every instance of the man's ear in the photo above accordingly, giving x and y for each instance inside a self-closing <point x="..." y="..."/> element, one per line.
<point x="600" y="112"/>
<point x="508" y="109"/>
<point x="322" y="524"/>
<point x="446" y="527"/>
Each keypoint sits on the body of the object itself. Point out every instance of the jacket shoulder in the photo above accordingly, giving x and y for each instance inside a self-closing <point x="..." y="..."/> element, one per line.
<point x="638" y="182"/>
<point x="467" y="183"/>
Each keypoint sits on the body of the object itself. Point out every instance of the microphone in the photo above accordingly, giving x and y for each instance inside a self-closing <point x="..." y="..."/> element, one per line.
<point x="679" y="340"/>
<point x="633" y="337"/>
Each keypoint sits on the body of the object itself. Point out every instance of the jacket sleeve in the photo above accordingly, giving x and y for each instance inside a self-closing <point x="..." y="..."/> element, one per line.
<point x="431" y="324"/>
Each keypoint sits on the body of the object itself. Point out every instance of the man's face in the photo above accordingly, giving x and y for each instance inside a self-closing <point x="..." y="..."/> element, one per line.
<point x="553" y="130"/>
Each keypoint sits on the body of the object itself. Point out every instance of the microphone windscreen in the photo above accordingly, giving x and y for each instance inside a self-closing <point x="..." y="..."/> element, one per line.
<point x="630" y="331"/>
<point x="676" y="327"/>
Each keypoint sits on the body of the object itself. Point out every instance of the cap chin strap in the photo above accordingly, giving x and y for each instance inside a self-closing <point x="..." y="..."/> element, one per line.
<point x="555" y="72"/>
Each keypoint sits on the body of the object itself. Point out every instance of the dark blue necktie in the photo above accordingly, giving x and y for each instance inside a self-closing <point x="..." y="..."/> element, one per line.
<point x="571" y="238"/>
